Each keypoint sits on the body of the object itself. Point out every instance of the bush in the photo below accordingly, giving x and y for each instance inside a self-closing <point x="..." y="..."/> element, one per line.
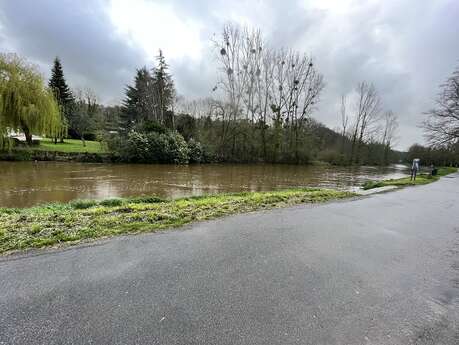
<point x="195" y="151"/>
<point x="177" y="149"/>
<point x="151" y="147"/>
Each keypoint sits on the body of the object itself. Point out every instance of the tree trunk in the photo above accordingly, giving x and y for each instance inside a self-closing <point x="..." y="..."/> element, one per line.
<point x="27" y="133"/>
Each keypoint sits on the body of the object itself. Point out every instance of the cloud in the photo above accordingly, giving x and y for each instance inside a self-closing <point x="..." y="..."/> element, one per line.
<point x="406" y="48"/>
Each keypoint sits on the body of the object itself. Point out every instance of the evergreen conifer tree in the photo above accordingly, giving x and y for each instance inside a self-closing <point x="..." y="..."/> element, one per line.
<point x="138" y="105"/>
<point x="61" y="91"/>
<point x="164" y="92"/>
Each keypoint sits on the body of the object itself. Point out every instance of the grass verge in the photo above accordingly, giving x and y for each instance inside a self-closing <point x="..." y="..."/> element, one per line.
<point x="81" y="220"/>
<point x="405" y="181"/>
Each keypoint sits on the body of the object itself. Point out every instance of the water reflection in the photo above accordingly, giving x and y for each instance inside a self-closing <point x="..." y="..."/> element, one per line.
<point x="29" y="183"/>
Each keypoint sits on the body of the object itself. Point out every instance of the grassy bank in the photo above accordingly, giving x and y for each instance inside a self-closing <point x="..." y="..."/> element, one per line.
<point x="70" y="150"/>
<point x="52" y="224"/>
<point x="70" y="146"/>
<point x="406" y="181"/>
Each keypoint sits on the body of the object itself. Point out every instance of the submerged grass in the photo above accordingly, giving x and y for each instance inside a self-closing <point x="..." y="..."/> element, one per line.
<point x="406" y="181"/>
<point x="80" y="220"/>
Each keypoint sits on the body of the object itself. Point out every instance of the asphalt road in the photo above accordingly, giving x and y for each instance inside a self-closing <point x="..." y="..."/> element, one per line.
<point x="379" y="270"/>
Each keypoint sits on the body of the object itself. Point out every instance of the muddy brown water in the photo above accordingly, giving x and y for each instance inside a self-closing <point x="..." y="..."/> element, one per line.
<point x="24" y="184"/>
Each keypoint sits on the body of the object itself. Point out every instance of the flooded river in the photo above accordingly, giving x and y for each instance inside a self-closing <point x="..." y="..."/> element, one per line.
<point x="25" y="184"/>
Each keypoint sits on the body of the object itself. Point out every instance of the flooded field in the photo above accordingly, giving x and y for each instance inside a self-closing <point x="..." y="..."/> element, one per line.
<point x="29" y="183"/>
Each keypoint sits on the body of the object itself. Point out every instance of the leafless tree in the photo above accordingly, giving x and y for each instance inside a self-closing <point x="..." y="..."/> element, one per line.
<point x="197" y="108"/>
<point x="390" y="126"/>
<point x="442" y="126"/>
<point x="368" y="111"/>
<point x="266" y="86"/>
<point x="344" y="121"/>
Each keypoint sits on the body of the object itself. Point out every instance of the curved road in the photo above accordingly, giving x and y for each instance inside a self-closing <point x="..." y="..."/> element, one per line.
<point x="378" y="270"/>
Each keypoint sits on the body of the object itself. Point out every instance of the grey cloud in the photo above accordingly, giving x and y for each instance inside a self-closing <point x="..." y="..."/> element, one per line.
<point x="406" y="48"/>
<point x="80" y="33"/>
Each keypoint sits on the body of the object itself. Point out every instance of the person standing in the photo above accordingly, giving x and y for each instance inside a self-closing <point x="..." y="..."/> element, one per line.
<point x="414" y="169"/>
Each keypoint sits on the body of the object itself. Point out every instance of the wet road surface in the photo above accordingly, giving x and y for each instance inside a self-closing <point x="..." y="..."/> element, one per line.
<point x="379" y="270"/>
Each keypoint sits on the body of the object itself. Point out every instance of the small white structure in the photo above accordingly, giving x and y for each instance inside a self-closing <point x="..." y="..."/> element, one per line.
<point x="21" y="137"/>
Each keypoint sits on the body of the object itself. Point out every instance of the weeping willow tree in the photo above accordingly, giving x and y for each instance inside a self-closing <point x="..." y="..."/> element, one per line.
<point x="26" y="104"/>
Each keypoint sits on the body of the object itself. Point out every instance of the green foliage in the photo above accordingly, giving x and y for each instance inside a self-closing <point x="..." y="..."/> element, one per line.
<point x="138" y="104"/>
<point x="186" y="125"/>
<point x="59" y="86"/>
<point x="195" y="151"/>
<point x="145" y="200"/>
<point x="153" y="147"/>
<point x="150" y="99"/>
<point x="153" y="126"/>
<point x="26" y="105"/>
<point x="83" y="220"/>
<point x="111" y="202"/>
<point x="446" y="171"/>
<point x="373" y="184"/>
<point x="82" y="204"/>
<point x="438" y="156"/>
<point x="163" y="88"/>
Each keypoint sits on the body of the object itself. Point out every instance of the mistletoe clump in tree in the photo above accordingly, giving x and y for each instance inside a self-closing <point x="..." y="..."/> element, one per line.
<point x="26" y="104"/>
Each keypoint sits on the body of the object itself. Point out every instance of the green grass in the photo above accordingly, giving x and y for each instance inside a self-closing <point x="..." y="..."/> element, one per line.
<point x="446" y="170"/>
<point x="70" y="145"/>
<point x="81" y="220"/>
<point x="406" y="181"/>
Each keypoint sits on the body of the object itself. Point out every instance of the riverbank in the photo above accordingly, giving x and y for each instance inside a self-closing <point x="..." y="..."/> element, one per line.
<point x="421" y="179"/>
<point x="77" y="221"/>
<point x="71" y="150"/>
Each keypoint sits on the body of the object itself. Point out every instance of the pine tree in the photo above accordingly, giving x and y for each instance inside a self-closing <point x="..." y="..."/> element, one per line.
<point x="138" y="105"/>
<point x="164" y="92"/>
<point x="59" y="86"/>
<point x="61" y="91"/>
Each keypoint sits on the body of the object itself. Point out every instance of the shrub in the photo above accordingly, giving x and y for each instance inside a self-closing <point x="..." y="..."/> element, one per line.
<point x="177" y="149"/>
<point x="151" y="147"/>
<point x="195" y="151"/>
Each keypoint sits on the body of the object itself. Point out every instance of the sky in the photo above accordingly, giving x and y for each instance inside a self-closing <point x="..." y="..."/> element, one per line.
<point x="406" y="48"/>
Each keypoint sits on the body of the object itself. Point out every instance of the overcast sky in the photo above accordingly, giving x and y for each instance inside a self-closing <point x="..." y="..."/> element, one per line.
<point x="405" y="47"/>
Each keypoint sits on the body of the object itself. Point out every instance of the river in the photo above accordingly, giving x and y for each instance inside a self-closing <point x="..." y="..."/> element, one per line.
<point x="24" y="184"/>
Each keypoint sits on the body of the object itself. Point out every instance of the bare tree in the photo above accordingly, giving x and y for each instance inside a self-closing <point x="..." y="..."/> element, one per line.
<point x="367" y="114"/>
<point x="344" y="121"/>
<point x="84" y="111"/>
<point x="390" y="127"/>
<point x="442" y="126"/>
<point x="265" y="86"/>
